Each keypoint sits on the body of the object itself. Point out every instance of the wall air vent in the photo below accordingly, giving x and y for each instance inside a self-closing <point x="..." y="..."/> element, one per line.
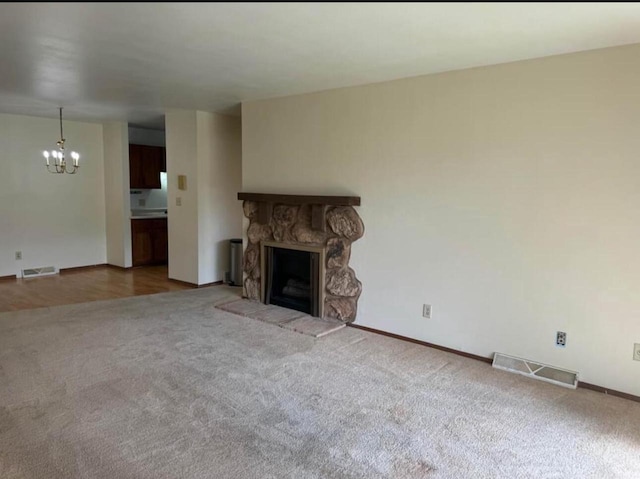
<point x="536" y="370"/>
<point x="35" y="272"/>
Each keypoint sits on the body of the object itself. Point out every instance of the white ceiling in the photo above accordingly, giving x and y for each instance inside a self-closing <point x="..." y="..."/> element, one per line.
<point x="133" y="61"/>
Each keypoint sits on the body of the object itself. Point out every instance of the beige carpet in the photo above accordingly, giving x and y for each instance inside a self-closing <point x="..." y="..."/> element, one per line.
<point x="168" y="386"/>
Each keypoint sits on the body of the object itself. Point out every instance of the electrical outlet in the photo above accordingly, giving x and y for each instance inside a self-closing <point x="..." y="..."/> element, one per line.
<point x="561" y="339"/>
<point x="178" y="201"/>
<point x="426" y="311"/>
<point x="18" y="255"/>
<point x="142" y="202"/>
<point x="636" y="351"/>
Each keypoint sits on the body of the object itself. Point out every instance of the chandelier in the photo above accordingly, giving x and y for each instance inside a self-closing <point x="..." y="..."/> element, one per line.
<point x="56" y="161"/>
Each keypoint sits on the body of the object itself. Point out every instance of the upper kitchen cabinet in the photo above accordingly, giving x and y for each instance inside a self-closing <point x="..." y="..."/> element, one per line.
<point x="145" y="165"/>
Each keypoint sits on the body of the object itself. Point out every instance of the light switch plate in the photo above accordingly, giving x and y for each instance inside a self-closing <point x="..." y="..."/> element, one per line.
<point x="178" y="201"/>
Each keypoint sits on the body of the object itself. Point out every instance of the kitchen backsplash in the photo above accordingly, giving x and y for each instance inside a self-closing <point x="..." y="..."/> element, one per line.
<point x="150" y="198"/>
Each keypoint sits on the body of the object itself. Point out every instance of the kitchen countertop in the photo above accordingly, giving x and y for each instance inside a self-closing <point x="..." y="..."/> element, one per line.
<point x="149" y="217"/>
<point x="148" y="213"/>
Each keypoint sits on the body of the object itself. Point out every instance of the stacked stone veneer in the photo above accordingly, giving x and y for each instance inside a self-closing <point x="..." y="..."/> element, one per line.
<point x="291" y="224"/>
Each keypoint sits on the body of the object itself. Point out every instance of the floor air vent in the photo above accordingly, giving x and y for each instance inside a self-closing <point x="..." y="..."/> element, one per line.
<point x="543" y="372"/>
<point x="34" y="272"/>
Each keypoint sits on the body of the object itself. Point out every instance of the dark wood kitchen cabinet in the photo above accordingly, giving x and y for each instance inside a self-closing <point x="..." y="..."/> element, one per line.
<point x="149" y="243"/>
<point x="145" y="165"/>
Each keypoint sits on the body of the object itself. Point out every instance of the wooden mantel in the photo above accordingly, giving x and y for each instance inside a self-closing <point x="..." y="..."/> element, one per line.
<point x="301" y="199"/>
<point x="266" y="201"/>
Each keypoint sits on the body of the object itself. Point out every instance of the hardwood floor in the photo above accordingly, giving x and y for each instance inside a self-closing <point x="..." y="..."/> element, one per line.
<point x="79" y="286"/>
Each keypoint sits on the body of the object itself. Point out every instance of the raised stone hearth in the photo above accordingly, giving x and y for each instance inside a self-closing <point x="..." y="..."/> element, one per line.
<point x="282" y="317"/>
<point x="330" y="223"/>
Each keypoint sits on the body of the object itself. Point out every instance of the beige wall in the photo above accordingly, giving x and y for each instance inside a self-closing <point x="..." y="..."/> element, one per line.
<point x="219" y="181"/>
<point x="182" y="155"/>
<point x="118" y="208"/>
<point x="206" y="147"/>
<point x="507" y="197"/>
<point x="55" y="220"/>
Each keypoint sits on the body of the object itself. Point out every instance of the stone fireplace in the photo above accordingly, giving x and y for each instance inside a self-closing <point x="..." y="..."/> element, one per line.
<point x="293" y="232"/>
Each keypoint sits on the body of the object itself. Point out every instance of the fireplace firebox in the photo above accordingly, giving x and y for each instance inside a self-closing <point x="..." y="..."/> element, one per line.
<point x="293" y="276"/>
